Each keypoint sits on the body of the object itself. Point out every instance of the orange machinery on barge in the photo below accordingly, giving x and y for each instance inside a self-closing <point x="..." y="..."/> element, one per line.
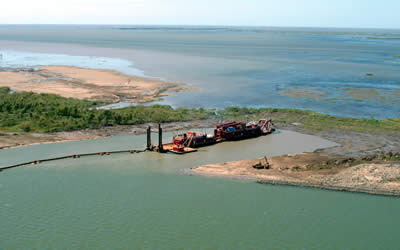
<point x="188" y="142"/>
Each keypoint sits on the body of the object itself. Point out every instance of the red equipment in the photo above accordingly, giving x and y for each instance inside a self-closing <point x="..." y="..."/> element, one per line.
<point x="240" y="130"/>
<point x="193" y="140"/>
<point x="225" y="131"/>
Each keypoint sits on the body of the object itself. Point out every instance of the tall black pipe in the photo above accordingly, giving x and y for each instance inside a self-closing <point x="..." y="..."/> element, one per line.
<point x="160" y="146"/>
<point x="149" y="137"/>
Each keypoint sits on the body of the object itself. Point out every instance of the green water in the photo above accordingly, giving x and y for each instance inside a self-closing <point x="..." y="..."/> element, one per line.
<point x="150" y="201"/>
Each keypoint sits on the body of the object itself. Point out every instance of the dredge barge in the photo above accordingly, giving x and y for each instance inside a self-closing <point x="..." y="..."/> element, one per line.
<point x="183" y="143"/>
<point x="188" y="142"/>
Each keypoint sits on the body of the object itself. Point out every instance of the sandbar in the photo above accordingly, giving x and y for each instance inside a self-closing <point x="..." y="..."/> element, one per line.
<point x="89" y="84"/>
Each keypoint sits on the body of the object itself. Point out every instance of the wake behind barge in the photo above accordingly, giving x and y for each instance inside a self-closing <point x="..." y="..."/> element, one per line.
<point x="188" y="142"/>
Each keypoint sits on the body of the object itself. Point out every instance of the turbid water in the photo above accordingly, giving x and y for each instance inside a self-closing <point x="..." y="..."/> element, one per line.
<point x="344" y="72"/>
<point x="148" y="200"/>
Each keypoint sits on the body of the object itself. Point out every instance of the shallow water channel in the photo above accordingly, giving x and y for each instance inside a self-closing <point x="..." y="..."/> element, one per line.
<point x="148" y="200"/>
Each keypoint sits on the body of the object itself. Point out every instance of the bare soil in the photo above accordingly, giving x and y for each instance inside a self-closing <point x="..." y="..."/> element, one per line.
<point x="367" y="176"/>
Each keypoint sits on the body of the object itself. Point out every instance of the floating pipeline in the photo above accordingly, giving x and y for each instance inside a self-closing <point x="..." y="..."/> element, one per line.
<point x="74" y="156"/>
<point x="223" y="132"/>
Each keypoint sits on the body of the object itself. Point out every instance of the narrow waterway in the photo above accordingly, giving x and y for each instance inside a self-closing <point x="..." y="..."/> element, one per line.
<point x="148" y="201"/>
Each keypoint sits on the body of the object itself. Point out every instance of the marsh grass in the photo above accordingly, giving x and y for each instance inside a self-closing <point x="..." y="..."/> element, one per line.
<point x="315" y="121"/>
<point x="30" y="112"/>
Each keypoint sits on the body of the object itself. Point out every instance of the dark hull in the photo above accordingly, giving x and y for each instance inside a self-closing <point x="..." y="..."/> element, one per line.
<point x="202" y="143"/>
<point x="240" y="135"/>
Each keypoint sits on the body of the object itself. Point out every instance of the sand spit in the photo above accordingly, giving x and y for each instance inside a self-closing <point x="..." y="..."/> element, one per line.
<point x="372" y="175"/>
<point x="89" y="84"/>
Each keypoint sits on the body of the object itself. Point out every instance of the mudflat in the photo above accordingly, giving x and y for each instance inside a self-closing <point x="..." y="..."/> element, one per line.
<point x="89" y="84"/>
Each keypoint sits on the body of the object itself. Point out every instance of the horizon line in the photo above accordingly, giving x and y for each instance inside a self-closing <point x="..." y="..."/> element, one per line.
<point x="199" y="25"/>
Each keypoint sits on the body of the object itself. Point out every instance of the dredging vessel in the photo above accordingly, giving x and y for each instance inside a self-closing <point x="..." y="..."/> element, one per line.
<point x="188" y="142"/>
<point x="183" y="143"/>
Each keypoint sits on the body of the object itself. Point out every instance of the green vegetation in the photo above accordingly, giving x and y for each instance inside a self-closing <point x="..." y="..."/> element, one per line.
<point x="396" y="55"/>
<point x="4" y="91"/>
<point x="390" y="156"/>
<point x="315" y="121"/>
<point x="29" y="112"/>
